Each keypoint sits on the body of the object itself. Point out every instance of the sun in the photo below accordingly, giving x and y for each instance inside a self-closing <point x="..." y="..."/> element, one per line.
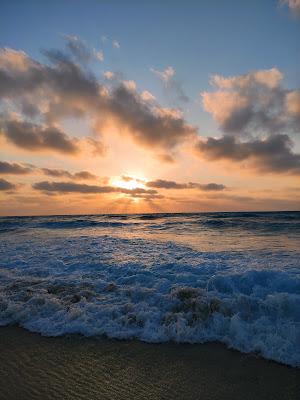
<point x="129" y="182"/>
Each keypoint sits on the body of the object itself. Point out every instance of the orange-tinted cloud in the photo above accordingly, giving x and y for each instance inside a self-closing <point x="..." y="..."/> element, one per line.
<point x="253" y="104"/>
<point x="63" y="89"/>
<point x="71" y="187"/>
<point x="163" y="184"/>
<point x="258" y="118"/>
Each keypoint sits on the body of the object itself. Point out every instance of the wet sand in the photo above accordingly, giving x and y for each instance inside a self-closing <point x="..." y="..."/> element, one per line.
<point x="75" y="367"/>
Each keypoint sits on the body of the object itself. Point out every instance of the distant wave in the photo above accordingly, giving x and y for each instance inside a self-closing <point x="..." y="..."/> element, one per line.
<point x="55" y="223"/>
<point x="79" y="224"/>
<point x="258" y="224"/>
<point x="270" y="223"/>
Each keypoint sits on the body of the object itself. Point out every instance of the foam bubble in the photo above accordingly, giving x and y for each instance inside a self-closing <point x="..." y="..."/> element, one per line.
<point x="152" y="291"/>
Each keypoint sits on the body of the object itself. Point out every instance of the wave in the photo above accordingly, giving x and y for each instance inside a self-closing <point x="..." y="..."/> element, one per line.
<point x="58" y="223"/>
<point x="260" y="223"/>
<point x="253" y="224"/>
<point x="80" y="224"/>
<point x="154" y="292"/>
<point x="251" y="320"/>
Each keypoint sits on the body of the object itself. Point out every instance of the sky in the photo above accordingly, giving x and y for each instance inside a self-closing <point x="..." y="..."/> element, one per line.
<point x="149" y="106"/>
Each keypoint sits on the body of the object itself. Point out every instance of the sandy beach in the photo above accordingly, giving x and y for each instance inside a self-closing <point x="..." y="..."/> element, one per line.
<point x="76" y="367"/>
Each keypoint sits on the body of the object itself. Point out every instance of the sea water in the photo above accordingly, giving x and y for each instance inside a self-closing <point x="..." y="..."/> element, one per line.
<point x="189" y="278"/>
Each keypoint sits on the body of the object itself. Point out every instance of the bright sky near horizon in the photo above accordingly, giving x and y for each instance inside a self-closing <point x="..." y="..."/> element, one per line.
<point x="148" y="106"/>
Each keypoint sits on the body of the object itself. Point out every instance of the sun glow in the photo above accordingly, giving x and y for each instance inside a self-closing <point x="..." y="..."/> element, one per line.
<point x="129" y="182"/>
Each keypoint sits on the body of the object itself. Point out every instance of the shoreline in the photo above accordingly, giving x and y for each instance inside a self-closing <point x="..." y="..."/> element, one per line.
<point x="76" y="367"/>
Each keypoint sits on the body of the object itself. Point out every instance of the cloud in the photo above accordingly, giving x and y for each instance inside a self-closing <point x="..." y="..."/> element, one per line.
<point x="147" y="96"/>
<point x="253" y="103"/>
<point x="57" y="173"/>
<point x="172" y="86"/>
<point x="84" y="175"/>
<point x="13" y="168"/>
<point x="164" y="75"/>
<point x="109" y="74"/>
<point x="294" y="6"/>
<point x="78" y="48"/>
<point x="292" y="104"/>
<point x="257" y="116"/>
<point x="7" y="168"/>
<point x="61" y="89"/>
<point x="98" y="55"/>
<point x="97" y="147"/>
<point x="166" y="158"/>
<point x="127" y="178"/>
<point x="211" y="187"/>
<point x="36" y="137"/>
<point x="81" y="51"/>
<point x="130" y="85"/>
<point x="273" y="154"/>
<point x="164" y="184"/>
<point x="71" y="187"/>
<point x="5" y="185"/>
<point x="116" y="44"/>
<point x="61" y="173"/>
<point x="148" y="126"/>
<point x="113" y="42"/>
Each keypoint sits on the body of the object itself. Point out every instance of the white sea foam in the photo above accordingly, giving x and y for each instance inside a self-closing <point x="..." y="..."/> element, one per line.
<point x="153" y="291"/>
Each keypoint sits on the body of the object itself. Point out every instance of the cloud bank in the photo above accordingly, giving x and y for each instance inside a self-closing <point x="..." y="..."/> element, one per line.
<point x="44" y="94"/>
<point x="71" y="187"/>
<point x="258" y="118"/>
<point x="164" y="184"/>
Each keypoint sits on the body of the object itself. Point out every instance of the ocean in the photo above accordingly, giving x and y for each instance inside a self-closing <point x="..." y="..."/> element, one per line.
<point x="232" y="278"/>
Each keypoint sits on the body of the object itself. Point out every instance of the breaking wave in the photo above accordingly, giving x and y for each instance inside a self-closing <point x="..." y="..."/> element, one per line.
<point x="155" y="291"/>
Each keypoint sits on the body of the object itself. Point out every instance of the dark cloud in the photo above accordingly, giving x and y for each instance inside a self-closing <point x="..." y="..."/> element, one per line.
<point x="163" y="184"/>
<point x="61" y="88"/>
<point x="56" y="173"/>
<point x="84" y="175"/>
<point x="71" y="187"/>
<point x="18" y="169"/>
<point x="13" y="168"/>
<point x="212" y="187"/>
<point x="5" y="185"/>
<point x="273" y="154"/>
<point x="127" y="178"/>
<point x="148" y="126"/>
<point x="61" y="173"/>
<point x="35" y="137"/>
